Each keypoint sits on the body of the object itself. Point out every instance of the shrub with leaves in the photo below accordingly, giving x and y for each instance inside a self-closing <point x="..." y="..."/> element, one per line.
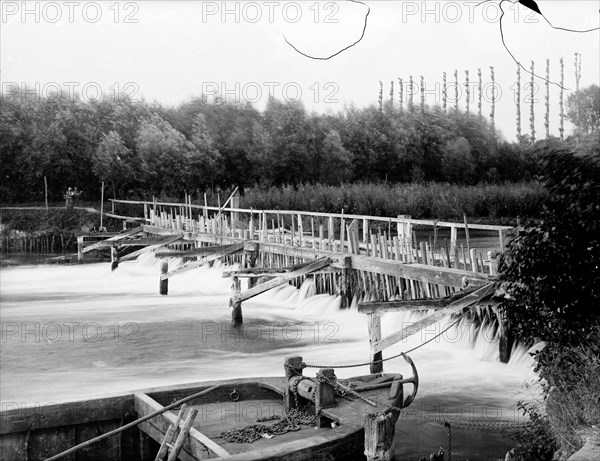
<point x="551" y="281"/>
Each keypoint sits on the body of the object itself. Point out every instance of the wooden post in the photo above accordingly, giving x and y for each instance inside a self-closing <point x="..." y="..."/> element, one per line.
<point x="406" y="227"/>
<point x="324" y="397"/>
<point x="330" y="233"/>
<point x="46" y="191"/>
<point x="292" y="368"/>
<point x="473" y="259"/>
<point x="506" y="341"/>
<point x="468" y="241"/>
<point x="342" y="233"/>
<point x="80" y="248"/>
<point x="502" y="236"/>
<point x="163" y="287"/>
<point x="189" y="421"/>
<point x="321" y="237"/>
<point x="374" y="325"/>
<point x="236" y="306"/>
<point x="102" y="205"/>
<point x="453" y="238"/>
<point x="113" y="258"/>
<point x="379" y="435"/>
<point x="345" y="294"/>
<point x="424" y="258"/>
<point x="251" y="252"/>
<point x="493" y="263"/>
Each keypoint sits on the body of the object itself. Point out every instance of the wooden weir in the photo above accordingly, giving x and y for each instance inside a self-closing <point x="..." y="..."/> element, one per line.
<point x="378" y="263"/>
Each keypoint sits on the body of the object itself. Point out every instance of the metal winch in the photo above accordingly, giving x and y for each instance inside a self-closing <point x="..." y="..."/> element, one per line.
<point x="303" y="386"/>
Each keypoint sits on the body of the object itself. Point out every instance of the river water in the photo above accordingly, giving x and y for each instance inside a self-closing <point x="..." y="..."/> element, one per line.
<point x="76" y="331"/>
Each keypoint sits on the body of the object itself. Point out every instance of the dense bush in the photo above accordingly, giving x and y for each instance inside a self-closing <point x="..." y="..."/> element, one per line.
<point x="550" y="276"/>
<point x="421" y="201"/>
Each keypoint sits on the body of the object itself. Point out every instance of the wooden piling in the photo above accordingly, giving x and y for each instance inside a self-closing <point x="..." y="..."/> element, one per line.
<point x="505" y="340"/>
<point x="374" y="326"/>
<point x="324" y="397"/>
<point x="292" y="368"/>
<point x="163" y="287"/>
<point x="80" y="248"/>
<point x="379" y="435"/>
<point x="236" y="306"/>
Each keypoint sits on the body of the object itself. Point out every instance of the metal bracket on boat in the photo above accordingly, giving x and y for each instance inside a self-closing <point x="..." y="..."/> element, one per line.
<point x="234" y="396"/>
<point x="397" y="389"/>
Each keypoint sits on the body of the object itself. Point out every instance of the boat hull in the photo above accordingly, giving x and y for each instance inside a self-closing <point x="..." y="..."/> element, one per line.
<point x="37" y="433"/>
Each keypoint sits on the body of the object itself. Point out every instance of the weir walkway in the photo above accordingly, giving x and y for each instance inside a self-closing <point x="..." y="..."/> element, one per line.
<point x="382" y="264"/>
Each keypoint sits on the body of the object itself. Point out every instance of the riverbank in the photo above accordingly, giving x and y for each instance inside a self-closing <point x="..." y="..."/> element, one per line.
<point x="35" y="229"/>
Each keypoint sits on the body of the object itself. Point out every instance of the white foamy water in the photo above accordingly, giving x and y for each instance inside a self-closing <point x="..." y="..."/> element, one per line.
<point x="71" y="332"/>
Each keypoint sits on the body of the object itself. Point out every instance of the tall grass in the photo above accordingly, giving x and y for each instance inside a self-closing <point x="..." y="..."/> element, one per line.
<point x="494" y="202"/>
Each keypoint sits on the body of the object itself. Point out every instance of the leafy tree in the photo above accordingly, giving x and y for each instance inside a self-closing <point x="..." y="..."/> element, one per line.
<point x="205" y="160"/>
<point x="551" y="293"/>
<point x="287" y="126"/>
<point x="165" y="155"/>
<point x="583" y="110"/>
<point x="336" y="161"/>
<point x="457" y="161"/>
<point x="551" y="270"/>
<point x="114" y="163"/>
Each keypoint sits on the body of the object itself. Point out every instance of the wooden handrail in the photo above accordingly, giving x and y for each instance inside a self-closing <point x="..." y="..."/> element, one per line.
<point x="423" y="222"/>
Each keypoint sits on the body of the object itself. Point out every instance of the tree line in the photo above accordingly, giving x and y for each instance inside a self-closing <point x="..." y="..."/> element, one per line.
<point x="140" y="149"/>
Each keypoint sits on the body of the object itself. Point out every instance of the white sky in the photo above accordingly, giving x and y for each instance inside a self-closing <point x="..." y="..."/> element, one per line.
<point x="170" y="51"/>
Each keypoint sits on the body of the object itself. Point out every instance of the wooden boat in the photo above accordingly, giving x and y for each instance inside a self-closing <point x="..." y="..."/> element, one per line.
<point x="293" y="417"/>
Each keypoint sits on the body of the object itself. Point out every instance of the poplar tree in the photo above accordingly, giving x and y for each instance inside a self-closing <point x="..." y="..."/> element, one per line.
<point x="493" y="111"/>
<point x="480" y="92"/>
<point x="411" y="95"/>
<point x="401" y="94"/>
<point x="561" y="127"/>
<point x="456" y="91"/>
<point x="547" y="117"/>
<point x="444" y="93"/>
<point x="518" y="102"/>
<point x="422" y="95"/>
<point x="468" y="93"/>
<point x="532" y="105"/>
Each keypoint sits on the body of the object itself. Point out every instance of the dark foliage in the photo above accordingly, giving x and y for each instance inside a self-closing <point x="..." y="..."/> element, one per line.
<point x="140" y="149"/>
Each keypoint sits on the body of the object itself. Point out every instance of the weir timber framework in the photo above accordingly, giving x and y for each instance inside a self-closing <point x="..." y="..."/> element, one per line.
<point x="377" y="262"/>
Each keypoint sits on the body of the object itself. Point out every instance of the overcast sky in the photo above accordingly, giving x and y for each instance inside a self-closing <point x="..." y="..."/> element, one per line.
<point x="171" y="51"/>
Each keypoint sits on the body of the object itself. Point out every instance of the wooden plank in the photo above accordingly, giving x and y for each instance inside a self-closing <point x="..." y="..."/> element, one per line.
<point x="150" y="248"/>
<point x="201" y="251"/>
<point x="157" y="230"/>
<point x="195" y="264"/>
<point x="120" y="236"/>
<point x="414" y="304"/>
<point x="418" y="272"/>
<point x="257" y="271"/>
<point x="409" y="330"/>
<point x="306" y="269"/>
<point x="142" y="241"/>
<point x="145" y="405"/>
<point x="18" y="418"/>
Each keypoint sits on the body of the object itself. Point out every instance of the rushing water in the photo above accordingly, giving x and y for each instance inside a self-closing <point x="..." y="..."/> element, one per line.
<point x="71" y="332"/>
